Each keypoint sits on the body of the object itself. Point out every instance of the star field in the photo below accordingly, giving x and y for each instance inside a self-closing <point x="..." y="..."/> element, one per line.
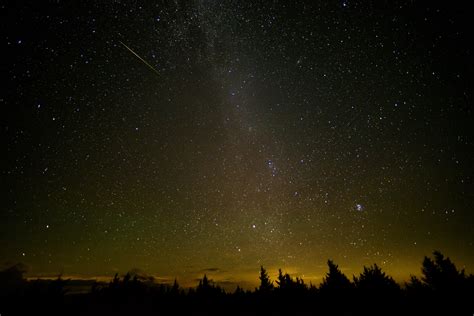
<point x="182" y="137"/>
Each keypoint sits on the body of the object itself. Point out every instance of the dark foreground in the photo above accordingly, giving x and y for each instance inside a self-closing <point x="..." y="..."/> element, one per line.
<point x="442" y="290"/>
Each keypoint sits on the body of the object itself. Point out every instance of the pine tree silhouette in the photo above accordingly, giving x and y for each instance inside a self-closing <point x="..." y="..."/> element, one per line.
<point x="239" y="292"/>
<point x="266" y="285"/>
<point x="335" y="279"/>
<point x="174" y="288"/>
<point x="374" y="279"/>
<point x="415" y="285"/>
<point x="203" y="283"/>
<point x="206" y="288"/>
<point x="287" y="284"/>
<point x="441" y="273"/>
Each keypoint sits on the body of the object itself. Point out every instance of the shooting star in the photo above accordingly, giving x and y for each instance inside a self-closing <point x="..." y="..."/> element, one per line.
<point x="143" y="60"/>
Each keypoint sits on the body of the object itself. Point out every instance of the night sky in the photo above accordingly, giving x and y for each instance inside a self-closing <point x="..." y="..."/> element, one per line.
<point x="191" y="137"/>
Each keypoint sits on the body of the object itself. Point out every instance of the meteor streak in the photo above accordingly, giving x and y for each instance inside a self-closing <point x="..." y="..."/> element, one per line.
<point x="143" y="60"/>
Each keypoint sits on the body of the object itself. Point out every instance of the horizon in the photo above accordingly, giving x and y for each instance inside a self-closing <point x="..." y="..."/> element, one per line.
<point x="227" y="280"/>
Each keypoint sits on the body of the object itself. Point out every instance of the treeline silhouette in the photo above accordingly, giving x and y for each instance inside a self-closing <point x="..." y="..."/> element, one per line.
<point x="441" y="290"/>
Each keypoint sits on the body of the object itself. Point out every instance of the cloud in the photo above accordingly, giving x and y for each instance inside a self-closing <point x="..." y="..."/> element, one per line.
<point x="211" y="270"/>
<point x="140" y="274"/>
<point x="163" y="280"/>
